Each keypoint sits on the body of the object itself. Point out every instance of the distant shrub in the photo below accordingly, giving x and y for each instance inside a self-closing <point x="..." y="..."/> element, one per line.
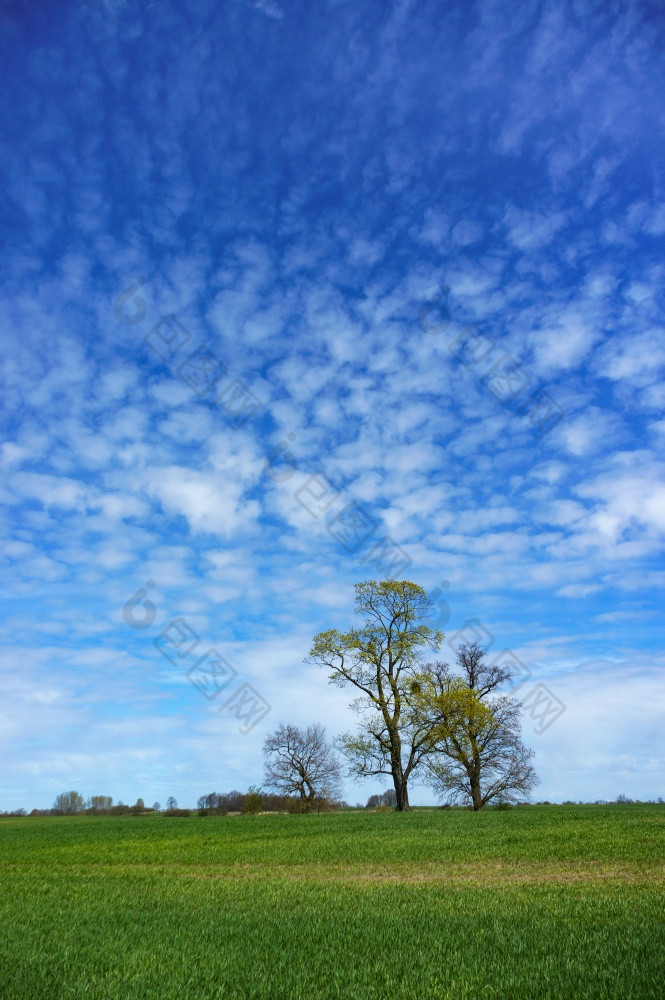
<point x="177" y="812"/>
<point x="120" y="810"/>
<point x="252" y="804"/>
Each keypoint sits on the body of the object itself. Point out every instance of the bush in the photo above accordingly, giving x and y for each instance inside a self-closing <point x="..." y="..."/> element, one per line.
<point x="177" y="812"/>
<point x="252" y="804"/>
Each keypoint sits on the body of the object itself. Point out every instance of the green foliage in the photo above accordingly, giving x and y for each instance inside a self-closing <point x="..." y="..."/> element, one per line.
<point x="392" y="613"/>
<point x="253" y="802"/>
<point x="379" y="659"/>
<point x="428" y="905"/>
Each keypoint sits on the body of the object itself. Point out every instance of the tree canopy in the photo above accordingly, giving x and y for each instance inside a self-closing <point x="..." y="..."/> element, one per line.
<point x="380" y="658"/>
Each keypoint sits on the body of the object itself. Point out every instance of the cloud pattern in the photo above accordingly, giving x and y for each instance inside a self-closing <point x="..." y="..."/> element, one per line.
<point x="297" y="295"/>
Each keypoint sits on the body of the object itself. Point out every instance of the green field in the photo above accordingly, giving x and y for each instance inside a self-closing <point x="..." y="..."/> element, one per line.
<point x="530" y="902"/>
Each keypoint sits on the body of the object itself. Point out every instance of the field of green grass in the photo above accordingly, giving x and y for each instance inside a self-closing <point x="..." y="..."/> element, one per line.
<point x="524" y="903"/>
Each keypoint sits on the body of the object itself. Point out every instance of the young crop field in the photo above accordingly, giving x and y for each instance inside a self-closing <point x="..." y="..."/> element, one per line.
<point x="523" y="903"/>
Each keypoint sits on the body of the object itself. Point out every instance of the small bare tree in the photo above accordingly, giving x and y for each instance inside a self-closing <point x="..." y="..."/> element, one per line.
<point x="475" y="732"/>
<point x="302" y="762"/>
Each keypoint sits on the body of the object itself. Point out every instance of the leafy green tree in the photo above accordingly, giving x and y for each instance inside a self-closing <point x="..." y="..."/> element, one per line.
<point x="476" y="751"/>
<point x="253" y="802"/>
<point x="380" y="658"/>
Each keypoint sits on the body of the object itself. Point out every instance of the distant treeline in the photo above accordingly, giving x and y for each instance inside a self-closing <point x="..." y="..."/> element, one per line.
<point x="215" y="803"/>
<point x="255" y="801"/>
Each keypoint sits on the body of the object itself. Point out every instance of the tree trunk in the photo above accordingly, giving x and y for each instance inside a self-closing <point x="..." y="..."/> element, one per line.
<point x="476" y="796"/>
<point x="401" y="792"/>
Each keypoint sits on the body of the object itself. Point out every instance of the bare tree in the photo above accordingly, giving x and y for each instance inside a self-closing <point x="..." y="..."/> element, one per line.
<point x="380" y="659"/>
<point x="101" y="803"/>
<point x="387" y="798"/>
<point x="302" y="762"/>
<point x="213" y="802"/>
<point x="476" y="751"/>
<point x="69" y="803"/>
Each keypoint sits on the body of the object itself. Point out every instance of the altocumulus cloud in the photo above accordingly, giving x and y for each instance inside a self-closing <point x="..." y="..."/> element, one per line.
<point x="295" y="183"/>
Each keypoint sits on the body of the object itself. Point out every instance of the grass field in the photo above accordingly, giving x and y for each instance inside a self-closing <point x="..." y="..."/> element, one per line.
<point x="534" y="902"/>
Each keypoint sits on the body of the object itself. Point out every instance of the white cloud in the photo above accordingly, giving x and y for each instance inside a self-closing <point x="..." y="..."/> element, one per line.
<point x="211" y="502"/>
<point x="565" y="343"/>
<point x="466" y="232"/>
<point x="638" y="359"/>
<point x="532" y="230"/>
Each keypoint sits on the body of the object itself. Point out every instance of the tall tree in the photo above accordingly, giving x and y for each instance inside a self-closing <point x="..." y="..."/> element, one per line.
<point x="69" y="803"/>
<point x="476" y="751"/>
<point x="101" y="803"/>
<point x="380" y="659"/>
<point x="302" y="762"/>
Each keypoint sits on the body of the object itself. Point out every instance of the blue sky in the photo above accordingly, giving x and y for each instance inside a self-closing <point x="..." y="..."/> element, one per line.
<point x="300" y="294"/>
